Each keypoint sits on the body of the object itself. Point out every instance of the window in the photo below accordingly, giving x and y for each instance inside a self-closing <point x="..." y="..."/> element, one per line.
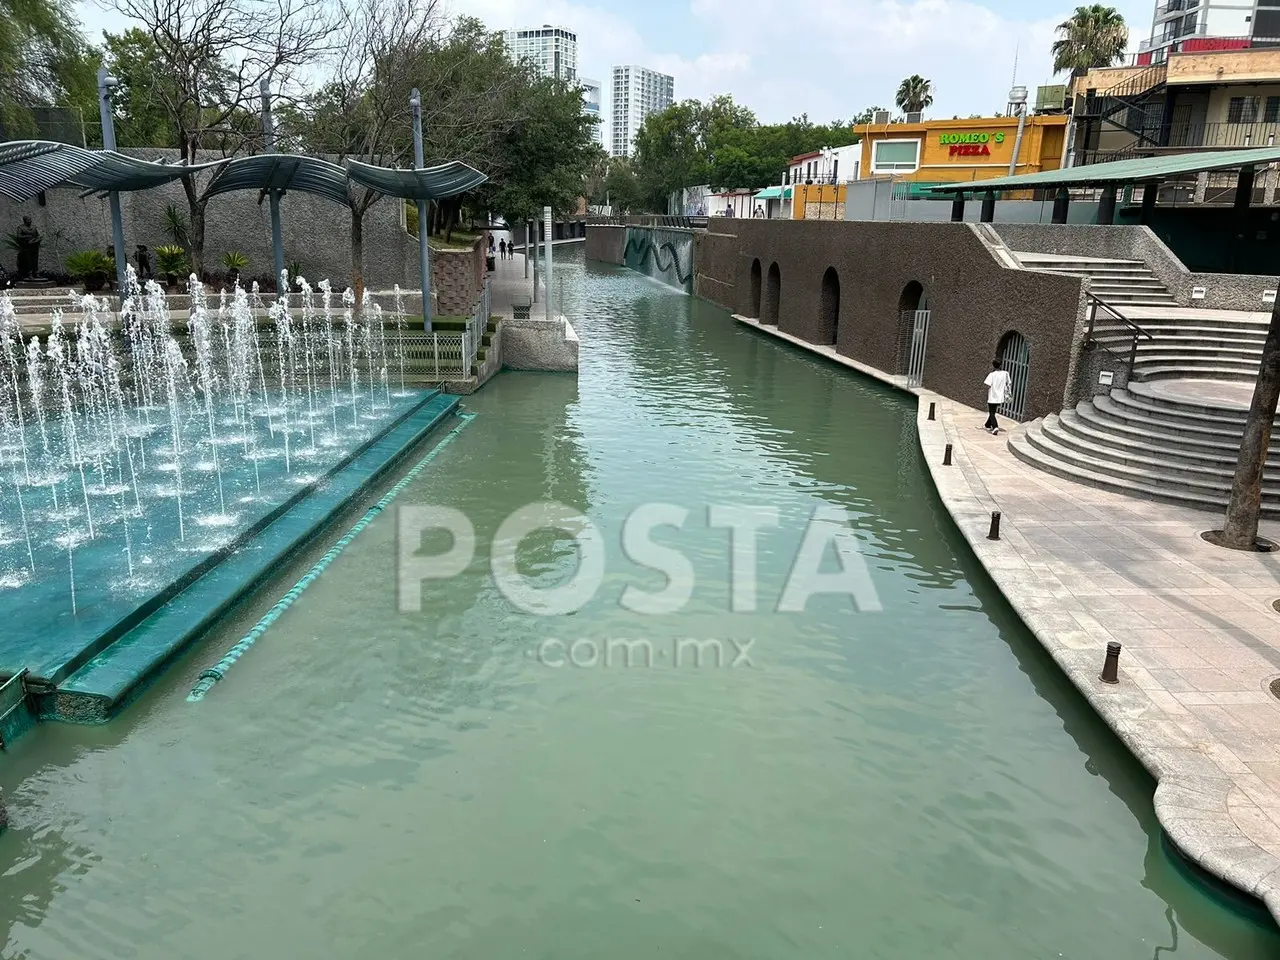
<point x="1272" y="112"/>
<point x="1242" y="110"/>
<point x="889" y="156"/>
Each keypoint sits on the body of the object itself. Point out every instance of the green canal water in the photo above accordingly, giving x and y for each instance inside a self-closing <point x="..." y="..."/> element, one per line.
<point x="918" y="782"/>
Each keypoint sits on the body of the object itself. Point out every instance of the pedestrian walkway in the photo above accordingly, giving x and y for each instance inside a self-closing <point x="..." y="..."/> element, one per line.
<point x="1200" y="639"/>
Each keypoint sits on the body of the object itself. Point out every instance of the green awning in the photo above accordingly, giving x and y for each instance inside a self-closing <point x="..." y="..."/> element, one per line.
<point x="1123" y="171"/>
<point x="774" y="193"/>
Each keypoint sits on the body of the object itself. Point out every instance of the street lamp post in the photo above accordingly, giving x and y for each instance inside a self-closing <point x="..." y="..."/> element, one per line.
<point x="106" y="83"/>
<point x="273" y="196"/>
<point x="424" y="255"/>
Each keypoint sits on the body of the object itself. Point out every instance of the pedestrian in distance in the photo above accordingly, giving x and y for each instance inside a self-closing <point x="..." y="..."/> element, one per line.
<point x="997" y="383"/>
<point x="502" y="249"/>
<point x="491" y="250"/>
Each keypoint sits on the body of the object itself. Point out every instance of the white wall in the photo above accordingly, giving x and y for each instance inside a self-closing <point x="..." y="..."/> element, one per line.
<point x="872" y="200"/>
<point x="1225" y="21"/>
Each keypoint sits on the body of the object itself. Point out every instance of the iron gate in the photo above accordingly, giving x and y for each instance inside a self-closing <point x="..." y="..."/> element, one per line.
<point x="919" y="343"/>
<point x="1015" y="357"/>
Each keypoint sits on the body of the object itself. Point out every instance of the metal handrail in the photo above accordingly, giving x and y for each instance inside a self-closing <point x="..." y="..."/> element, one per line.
<point x="1137" y="331"/>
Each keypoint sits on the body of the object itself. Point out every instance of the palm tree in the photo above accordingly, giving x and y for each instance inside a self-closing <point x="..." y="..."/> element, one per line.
<point x="914" y="94"/>
<point x="1094" y="36"/>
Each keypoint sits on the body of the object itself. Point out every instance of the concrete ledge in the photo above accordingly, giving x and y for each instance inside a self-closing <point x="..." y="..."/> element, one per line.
<point x="550" y="345"/>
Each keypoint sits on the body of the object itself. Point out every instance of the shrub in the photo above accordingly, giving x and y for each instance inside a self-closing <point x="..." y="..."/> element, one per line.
<point x="171" y="261"/>
<point x="235" y="261"/>
<point x="86" y="263"/>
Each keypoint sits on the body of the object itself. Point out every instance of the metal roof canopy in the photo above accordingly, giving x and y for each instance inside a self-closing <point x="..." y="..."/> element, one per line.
<point x="29" y="167"/>
<point x="283" y="172"/>
<point x="1118" y="172"/>
<point x="426" y="183"/>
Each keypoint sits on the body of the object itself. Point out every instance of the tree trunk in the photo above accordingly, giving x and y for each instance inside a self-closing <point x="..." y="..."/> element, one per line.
<point x="1241" y="528"/>
<point x="197" y="239"/>
<point x="357" y="253"/>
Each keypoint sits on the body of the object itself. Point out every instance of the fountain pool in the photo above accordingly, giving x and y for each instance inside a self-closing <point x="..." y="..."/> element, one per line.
<point x="136" y="458"/>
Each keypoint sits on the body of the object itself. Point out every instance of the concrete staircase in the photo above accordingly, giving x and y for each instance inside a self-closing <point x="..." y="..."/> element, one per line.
<point x="1172" y="440"/>
<point x="1208" y="344"/>
<point x="1118" y="282"/>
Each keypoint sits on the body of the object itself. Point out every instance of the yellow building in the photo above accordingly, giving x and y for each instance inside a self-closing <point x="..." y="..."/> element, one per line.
<point x="947" y="151"/>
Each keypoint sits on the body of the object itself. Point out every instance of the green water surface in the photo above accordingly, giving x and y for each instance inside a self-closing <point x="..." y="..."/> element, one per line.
<point x="918" y="783"/>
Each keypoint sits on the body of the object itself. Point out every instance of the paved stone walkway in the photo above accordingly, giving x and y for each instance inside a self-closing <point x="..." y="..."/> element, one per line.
<point x="1201" y="642"/>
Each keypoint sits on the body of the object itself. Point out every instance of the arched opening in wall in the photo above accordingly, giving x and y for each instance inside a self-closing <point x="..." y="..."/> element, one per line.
<point x="772" y="296"/>
<point x="754" y="305"/>
<point x="913" y="332"/>
<point x="829" y="307"/>
<point x="1014" y="354"/>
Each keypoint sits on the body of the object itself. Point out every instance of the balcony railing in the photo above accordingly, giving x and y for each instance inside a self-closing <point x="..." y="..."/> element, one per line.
<point x="1236" y="135"/>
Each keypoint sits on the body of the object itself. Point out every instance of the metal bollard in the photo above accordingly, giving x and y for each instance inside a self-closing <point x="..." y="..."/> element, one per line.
<point x="932" y="407"/>
<point x="1111" y="665"/>
<point x="994" y="532"/>
<point x="946" y="456"/>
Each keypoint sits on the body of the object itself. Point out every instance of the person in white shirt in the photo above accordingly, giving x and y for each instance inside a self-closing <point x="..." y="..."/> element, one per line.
<point x="997" y="393"/>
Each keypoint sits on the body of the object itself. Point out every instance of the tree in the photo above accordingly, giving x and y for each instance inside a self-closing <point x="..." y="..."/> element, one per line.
<point x="363" y="109"/>
<point x="675" y="148"/>
<point x="1094" y="36"/>
<point x="866" y="116"/>
<point x="545" y="155"/>
<point x="43" y="62"/>
<point x="139" y="113"/>
<point x="914" y="94"/>
<point x="1240" y="532"/>
<point x="621" y="186"/>
<point x="213" y="55"/>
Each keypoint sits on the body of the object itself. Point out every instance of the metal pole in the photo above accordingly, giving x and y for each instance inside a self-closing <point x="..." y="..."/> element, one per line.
<point x="531" y="240"/>
<point x="105" y="84"/>
<point x="273" y="196"/>
<point x="1017" y="141"/>
<point x="546" y="219"/>
<point x="424" y="255"/>
<point x="525" y="252"/>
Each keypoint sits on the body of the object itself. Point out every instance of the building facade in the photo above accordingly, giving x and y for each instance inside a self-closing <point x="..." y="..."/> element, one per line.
<point x="1193" y="99"/>
<point x="591" y="104"/>
<point x="829" y="165"/>
<point x="553" y="50"/>
<point x="1199" y="26"/>
<point x="946" y="151"/>
<point x="636" y="93"/>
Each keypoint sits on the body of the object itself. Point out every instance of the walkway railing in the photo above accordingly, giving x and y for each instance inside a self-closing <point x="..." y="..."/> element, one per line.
<point x="1136" y="332"/>
<point x="476" y="326"/>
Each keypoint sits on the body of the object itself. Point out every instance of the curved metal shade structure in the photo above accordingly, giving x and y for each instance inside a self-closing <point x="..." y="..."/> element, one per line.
<point x="428" y="183"/>
<point x="29" y="167"/>
<point x="283" y="172"/>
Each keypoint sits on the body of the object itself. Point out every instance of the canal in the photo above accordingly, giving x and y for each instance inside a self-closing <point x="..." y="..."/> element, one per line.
<point x="472" y="781"/>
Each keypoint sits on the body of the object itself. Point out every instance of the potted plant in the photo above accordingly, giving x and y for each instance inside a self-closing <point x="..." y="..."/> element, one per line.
<point x="171" y="263"/>
<point x="92" y="267"/>
<point x="234" y="261"/>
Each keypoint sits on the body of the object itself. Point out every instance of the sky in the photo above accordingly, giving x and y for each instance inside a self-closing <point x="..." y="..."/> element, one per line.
<point x="827" y="58"/>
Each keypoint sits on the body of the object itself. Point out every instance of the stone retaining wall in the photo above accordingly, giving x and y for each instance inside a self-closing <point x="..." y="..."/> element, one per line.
<point x="973" y="299"/>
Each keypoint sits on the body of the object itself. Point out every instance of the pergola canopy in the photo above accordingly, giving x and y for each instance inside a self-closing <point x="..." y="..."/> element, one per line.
<point x="428" y="183"/>
<point x="283" y="172"/>
<point x="1118" y="172"/>
<point x="29" y="167"/>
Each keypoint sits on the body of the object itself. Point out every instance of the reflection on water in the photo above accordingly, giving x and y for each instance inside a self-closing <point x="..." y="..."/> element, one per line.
<point x="920" y="782"/>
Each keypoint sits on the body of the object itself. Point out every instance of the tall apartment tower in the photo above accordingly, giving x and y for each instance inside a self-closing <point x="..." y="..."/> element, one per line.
<point x="1188" y="26"/>
<point x="637" y="92"/>
<point x="591" y="102"/>
<point x="553" y="50"/>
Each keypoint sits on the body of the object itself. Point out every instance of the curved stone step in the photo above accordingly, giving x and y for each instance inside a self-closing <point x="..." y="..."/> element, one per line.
<point x="1189" y="421"/>
<point x="1079" y="471"/>
<point x="1186" y="479"/>
<point x="1185" y="465"/>
<point x="1101" y="429"/>
<point x="1207" y="371"/>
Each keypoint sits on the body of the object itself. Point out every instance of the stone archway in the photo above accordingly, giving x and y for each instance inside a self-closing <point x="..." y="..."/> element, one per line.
<point x="912" y="331"/>
<point x="754" y="303"/>
<point x="772" y="296"/>
<point x="829" y="308"/>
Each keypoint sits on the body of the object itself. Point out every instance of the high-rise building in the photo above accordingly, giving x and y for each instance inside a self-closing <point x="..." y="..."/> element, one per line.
<point x="552" y="50"/>
<point x="591" y="101"/>
<point x="637" y="92"/>
<point x="1193" y="26"/>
